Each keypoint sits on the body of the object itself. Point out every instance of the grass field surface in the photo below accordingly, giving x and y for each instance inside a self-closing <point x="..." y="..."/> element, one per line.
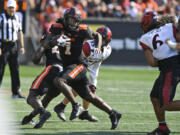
<point x="126" y="90"/>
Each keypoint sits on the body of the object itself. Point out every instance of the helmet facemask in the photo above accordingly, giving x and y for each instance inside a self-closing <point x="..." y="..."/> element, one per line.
<point x="72" y="19"/>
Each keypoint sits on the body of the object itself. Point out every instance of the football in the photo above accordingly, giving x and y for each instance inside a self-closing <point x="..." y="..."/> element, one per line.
<point x="86" y="49"/>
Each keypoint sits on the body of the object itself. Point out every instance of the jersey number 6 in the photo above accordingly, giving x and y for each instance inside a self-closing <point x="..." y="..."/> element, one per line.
<point x="155" y="41"/>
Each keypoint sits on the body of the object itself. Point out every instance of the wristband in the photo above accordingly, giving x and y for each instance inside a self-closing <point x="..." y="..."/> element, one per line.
<point x="171" y="44"/>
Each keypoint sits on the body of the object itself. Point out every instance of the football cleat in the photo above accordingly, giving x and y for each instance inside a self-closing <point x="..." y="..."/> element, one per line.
<point x="86" y="116"/>
<point x="18" y="96"/>
<point x="76" y="111"/>
<point x="43" y="117"/>
<point x="59" y="109"/>
<point x="27" y="120"/>
<point x="158" y="131"/>
<point x="115" y="117"/>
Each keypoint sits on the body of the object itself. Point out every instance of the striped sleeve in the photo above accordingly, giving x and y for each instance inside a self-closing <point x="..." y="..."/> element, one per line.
<point x="19" y="23"/>
<point x="144" y="46"/>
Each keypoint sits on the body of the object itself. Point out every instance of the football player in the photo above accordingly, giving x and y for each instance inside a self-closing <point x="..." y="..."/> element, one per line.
<point x="43" y="84"/>
<point x="93" y="69"/>
<point x="74" y="65"/>
<point x="159" y="54"/>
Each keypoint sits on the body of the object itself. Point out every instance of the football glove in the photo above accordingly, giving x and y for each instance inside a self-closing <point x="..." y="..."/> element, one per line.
<point x="62" y="40"/>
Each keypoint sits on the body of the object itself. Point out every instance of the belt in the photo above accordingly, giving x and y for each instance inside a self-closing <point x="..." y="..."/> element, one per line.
<point x="7" y="41"/>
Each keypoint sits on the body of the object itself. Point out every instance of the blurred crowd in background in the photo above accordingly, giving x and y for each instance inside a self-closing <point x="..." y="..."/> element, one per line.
<point x="47" y="11"/>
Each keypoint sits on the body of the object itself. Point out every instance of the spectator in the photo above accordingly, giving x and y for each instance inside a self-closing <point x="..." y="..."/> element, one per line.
<point x="68" y="3"/>
<point x="150" y="5"/>
<point x="132" y="10"/>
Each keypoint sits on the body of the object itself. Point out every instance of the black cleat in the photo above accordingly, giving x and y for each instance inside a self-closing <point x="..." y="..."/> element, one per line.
<point x="60" y="112"/>
<point x="158" y="131"/>
<point x="18" y="96"/>
<point x="43" y="117"/>
<point x="115" y="117"/>
<point x="86" y="116"/>
<point x="27" y="120"/>
<point x="76" y="111"/>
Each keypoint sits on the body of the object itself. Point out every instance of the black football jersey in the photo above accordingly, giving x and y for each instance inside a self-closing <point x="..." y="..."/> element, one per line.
<point x="52" y="56"/>
<point x="77" y="38"/>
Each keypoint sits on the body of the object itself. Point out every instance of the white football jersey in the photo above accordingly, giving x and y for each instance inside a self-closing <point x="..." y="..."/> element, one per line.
<point x="155" y="40"/>
<point x="93" y="66"/>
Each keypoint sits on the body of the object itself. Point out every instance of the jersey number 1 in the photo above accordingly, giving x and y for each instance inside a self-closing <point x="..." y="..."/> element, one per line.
<point x="155" y="41"/>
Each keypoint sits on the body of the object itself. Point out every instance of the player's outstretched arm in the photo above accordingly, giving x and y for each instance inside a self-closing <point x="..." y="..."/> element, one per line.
<point x="98" y="39"/>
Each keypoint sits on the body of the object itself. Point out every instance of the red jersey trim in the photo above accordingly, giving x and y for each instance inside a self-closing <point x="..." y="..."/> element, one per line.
<point x="144" y="46"/>
<point x="175" y="30"/>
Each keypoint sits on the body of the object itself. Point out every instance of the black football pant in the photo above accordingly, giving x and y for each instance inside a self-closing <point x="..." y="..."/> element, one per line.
<point x="10" y="56"/>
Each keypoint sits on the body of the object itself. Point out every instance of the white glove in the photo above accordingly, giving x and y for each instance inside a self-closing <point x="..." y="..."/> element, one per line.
<point x="171" y="44"/>
<point x="61" y="41"/>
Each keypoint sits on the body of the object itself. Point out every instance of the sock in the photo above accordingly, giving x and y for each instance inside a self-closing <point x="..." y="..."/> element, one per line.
<point x="31" y="115"/>
<point x="111" y="112"/>
<point x="163" y="125"/>
<point x="63" y="104"/>
<point x="74" y="104"/>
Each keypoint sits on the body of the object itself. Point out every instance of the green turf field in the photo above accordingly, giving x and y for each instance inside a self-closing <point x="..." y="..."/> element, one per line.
<point x="126" y="90"/>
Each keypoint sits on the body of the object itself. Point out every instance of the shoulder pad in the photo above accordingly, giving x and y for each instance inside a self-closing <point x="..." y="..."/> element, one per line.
<point x="57" y="25"/>
<point x="83" y="27"/>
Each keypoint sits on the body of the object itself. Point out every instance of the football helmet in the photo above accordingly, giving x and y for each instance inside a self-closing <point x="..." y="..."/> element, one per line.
<point x="148" y="20"/>
<point x="72" y="18"/>
<point x="105" y="33"/>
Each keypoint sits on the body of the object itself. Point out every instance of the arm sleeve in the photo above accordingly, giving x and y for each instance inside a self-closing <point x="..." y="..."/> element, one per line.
<point x="107" y="52"/>
<point x="144" y="46"/>
<point x="94" y="71"/>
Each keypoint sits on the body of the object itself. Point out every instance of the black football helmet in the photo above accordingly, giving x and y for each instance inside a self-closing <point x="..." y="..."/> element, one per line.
<point x="72" y="18"/>
<point x="105" y="33"/>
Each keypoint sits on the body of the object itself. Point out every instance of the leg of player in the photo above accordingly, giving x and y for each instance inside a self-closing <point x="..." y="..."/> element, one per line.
<point x="99" y="103"/>
<point x="59" y="108"/>
<point x="164" y="100"/>
<point x="160" y="115"/>
<point x="34" y="100"/>
<point x="85" y="114"/>
<point x="66" y="90"/>
<point x="45" y="101"/>
<point x="172" y="106"/>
